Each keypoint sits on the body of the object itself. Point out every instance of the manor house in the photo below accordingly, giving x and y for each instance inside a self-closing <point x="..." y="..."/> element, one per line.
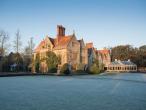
<point x="68" y="48"/>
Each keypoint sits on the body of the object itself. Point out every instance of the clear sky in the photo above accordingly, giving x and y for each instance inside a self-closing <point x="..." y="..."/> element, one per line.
<point x="103" y="22"/>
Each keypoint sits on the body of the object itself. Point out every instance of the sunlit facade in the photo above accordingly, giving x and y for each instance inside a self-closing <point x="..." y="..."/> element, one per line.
<point x="67" y="47"/>
<point x="70" y="50"/>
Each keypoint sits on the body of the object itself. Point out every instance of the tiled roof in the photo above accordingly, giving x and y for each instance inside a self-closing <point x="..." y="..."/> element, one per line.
<point x="127" y="63"/>
<point x="89" y="45"/>
<point x="118" y="62"/>
<point x="39" y="46"/>
<point x="104" y="51"/>
<point x="63" y="42"/>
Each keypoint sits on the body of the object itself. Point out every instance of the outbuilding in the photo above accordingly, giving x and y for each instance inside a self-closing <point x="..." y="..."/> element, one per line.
<point x="122" y="66"/>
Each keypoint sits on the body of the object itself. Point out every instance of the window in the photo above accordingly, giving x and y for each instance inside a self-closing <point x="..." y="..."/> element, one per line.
<point x="73" y="44"/>
<point x="48" y="46"/>
<point x="43" y="46"/>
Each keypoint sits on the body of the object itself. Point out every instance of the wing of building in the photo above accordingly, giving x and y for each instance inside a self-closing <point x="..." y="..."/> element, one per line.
<point x="103" y="56"/>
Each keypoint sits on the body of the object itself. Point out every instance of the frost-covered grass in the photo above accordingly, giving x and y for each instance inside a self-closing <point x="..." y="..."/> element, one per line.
<point x="85" y="92"/>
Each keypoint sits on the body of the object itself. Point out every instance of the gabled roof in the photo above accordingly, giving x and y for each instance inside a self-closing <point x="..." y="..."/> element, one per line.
<point x="39" y="46"/>
<point x="42" y="43"/>
<point x="52" y="40"/>
<point x="63" y="42"/>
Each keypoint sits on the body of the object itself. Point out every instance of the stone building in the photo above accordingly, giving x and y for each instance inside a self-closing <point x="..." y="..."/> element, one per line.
<point x="67" y="47"/>
<point x="104" y="57"/>
<point x="122" y="66"/>
<point x="70" y="50"/>
<point x="91" y="53"/>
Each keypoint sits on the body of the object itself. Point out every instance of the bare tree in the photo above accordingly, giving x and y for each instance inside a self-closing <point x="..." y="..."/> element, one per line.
<point x="28" y="54"/>
<point x="29" y="48"/>
<point x="17" y="42"/>
<point x="31" y="45"/>
<point x="3" y="41"/>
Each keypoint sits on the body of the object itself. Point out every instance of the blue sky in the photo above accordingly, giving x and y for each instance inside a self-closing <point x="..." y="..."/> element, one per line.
<point x="103" y="22"/>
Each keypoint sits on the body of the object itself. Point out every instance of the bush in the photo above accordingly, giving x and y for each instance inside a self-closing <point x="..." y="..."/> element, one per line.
<point x="80" y="71"/>
<point x="52" y="70"/>
<point x="65" y="69"/>
<point x="80" y="66"/>
<point x="94" y="69"/>
<point x="37" y="66"/>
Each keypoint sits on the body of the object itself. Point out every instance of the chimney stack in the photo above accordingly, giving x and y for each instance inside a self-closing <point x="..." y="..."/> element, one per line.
<point x="60" y="30"/>
<point x="128" y="60"/>
<point x="116" y="60"/>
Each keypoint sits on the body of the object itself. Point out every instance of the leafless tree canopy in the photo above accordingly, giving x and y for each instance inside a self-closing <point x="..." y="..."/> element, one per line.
<point x="29" y="48"/>
<point x="3" y="41"/>
<point x="17" y="42"/>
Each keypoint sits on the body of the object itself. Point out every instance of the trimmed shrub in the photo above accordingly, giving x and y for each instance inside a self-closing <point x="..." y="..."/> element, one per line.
<point x="37" y="66"/>
<point x="52" y="60"/>
<point x="52" y="70"/>
<point x="65" y="69"/>
<point x="80" y="66"/>
<point x="94" y="69"/>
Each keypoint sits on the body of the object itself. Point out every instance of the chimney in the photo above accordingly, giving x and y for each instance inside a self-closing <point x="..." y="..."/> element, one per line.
<point x="60" y="30"/>
<point x="128" y="60"/>
<point x="89" y="45"/>
<point x="60" y="33"/>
